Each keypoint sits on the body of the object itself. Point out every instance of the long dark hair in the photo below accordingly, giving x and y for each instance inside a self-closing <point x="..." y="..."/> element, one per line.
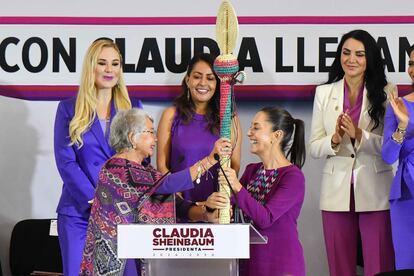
<point x="185" y="105"/>
<point x="375" y="79"/>
<point x="410" y="51"/>
<point x="282" y="120"/>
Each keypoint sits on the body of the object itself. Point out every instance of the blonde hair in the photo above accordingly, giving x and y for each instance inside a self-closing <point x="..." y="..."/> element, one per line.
<point x="86" y="100"/>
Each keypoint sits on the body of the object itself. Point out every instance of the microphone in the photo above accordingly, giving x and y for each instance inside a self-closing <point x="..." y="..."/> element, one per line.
<point x="236" y="201"/>
<point x="217" y="158"/>
<point x="158" y="183"/>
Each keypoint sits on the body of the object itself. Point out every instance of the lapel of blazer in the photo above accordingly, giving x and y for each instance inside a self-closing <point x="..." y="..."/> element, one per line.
<point x="113" y="113"/>
<point x="336" y="103"/>
<point x="99" y="135"/>
<point x="113" y="110"/>
<point x="364" y="118"/>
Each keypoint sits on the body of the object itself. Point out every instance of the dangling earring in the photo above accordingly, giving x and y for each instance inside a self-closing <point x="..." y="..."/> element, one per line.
<point x="188" y="94"/>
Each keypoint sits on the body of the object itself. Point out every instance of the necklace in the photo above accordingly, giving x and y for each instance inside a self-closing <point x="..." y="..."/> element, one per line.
<point x="262" y="183"/>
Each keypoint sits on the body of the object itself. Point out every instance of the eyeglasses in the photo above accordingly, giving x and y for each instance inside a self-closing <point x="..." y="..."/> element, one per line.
<point x="152" y="132"/>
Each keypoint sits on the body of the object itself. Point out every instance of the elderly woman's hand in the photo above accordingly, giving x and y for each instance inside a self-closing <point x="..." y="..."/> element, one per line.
<point x="232" y="177"/>
<point x="222" y="147"/>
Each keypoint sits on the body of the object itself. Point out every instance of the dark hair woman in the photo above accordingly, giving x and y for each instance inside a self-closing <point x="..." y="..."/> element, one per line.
<point x="188" y="130"/>
<point x="271" y="193"/>
<point x="347" y="124"/>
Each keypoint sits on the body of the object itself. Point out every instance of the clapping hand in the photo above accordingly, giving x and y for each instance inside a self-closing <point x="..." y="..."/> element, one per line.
<point x="400" y="110"/>
<point x="339" y="132"/>
<point x="348" y="126"/>
<point x="353" y="131"/>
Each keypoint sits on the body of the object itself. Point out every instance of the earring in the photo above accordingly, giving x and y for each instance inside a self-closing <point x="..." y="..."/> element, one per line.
<point x="188" y="94"/>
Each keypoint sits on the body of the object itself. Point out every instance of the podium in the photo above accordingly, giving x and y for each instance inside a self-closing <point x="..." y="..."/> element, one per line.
<point x="188" y="249"/>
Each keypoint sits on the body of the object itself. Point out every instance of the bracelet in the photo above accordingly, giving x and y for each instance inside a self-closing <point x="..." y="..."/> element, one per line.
<point x="198" y="172"/>
<point x="204" y="206"/>
<point x="208" y="161"/>
<point x="397" y="140"/>
<point x="206" y="171"/>
<point x="334" y="145"/>
<point x="401" y="130"/>
<point x="210" y="210"/>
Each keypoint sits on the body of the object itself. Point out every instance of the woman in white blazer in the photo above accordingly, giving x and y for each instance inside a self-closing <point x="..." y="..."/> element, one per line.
<point x="346" y="130"/>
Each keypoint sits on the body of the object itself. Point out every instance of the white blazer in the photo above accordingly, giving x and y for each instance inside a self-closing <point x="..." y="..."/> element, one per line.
<point x="372" y="177"/>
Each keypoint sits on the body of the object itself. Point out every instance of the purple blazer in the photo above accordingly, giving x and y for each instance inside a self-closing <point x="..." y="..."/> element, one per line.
<point x="402" y="184"/>
<point x="276" y="219"/>
<point x="79" y="167"/>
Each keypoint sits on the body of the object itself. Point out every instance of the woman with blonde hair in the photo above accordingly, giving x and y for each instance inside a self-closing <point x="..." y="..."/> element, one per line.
<point x="81" y="144"/>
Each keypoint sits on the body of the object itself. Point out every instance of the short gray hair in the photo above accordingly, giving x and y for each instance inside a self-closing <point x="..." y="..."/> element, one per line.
<point x="124" y="123"/>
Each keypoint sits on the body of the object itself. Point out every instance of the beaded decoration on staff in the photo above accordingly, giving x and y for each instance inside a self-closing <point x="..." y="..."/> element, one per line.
<point x="226" y="67"/>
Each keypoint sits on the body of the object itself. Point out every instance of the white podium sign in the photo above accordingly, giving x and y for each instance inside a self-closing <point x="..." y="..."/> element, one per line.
<point x="184" y="241"/>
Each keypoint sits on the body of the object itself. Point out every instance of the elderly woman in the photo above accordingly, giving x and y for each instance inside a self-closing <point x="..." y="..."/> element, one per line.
<point x="124" y="185"/>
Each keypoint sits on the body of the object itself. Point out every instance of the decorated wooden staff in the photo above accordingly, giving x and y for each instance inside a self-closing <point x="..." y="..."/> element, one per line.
<point x="226" y="67"/>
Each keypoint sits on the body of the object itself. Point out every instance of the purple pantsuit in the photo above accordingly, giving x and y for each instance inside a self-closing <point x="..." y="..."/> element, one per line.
<point x="276" y="219"/>
<point x="72" y="235"/>
<point x="341" y="231"/>
<point x="79" y="169"/>
<point x="402" y="189"/>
